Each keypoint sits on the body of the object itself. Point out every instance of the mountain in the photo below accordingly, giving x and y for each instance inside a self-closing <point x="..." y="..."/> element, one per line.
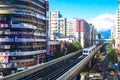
<point x="106" y="34"/>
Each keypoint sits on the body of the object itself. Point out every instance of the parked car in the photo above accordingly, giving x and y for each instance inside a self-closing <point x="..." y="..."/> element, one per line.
<point x="112" y="73"/>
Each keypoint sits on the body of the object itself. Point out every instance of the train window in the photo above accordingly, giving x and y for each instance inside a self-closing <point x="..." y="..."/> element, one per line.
<point x="85" y="51"/>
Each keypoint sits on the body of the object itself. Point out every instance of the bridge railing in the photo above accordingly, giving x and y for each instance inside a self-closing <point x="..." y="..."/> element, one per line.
<point x="36" y="68"/>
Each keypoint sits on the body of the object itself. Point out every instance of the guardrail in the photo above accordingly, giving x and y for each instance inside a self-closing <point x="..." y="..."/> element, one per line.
<point x="69" y="75"/>
<point x="36" y="68"/>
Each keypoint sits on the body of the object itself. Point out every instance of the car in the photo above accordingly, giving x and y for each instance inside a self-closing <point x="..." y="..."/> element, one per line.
<point x="112" y="73"/>
<point x="95" y="76"/>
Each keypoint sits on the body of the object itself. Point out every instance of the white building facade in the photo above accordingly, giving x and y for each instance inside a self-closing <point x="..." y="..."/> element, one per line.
<point x="57" y="25"/>
<point x="93" y="33"/>
<point x="79" y="29"/>
<point x="117" y="40"/>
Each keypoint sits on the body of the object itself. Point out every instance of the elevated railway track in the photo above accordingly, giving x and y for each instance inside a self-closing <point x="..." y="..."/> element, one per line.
<point x="63" y="68"/>
<point x="32" y="73"/>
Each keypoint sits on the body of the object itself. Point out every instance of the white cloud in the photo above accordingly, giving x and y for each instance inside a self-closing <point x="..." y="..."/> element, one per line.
<point x="103" y="22"/>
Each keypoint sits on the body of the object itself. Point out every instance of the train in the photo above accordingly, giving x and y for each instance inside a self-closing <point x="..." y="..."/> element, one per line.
<point x="88" y="50"/>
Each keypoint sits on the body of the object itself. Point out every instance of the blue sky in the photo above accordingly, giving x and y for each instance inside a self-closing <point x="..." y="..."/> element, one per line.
<point x="86" y="9"/>
<point x="100" y="13"/>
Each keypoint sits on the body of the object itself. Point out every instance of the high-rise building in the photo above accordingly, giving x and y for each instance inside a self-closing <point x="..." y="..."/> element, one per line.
<point x="113" y="32"/>
<point x="72" y="28"/>
<point x="117" y="40"/>
<point x="57" y="25"/>
<point x="22" y="33"/>
<point x="113" y="35"/>
<point x="62" y="27"/>
<point x="79" y="29"/>
<point x="84" y="33"/>
<point x="92" y="34"/>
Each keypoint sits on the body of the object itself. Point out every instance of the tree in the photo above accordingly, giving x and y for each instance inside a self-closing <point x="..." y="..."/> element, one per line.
<point x="59" y="53"/>
<point x="75" y="46"/>
<point x="111" y="54"/>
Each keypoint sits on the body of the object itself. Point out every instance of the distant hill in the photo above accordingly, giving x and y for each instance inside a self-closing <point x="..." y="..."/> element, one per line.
<point x="106" y="34"/>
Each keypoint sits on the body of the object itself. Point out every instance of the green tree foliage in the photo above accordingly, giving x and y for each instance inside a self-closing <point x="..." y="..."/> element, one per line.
<point x="59" y="53"/>
<point x="75" y="46"/>
<point x="111" y="53"/>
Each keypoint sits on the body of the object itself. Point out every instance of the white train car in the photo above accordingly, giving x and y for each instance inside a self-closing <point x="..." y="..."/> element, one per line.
<point x="88" y="50"/>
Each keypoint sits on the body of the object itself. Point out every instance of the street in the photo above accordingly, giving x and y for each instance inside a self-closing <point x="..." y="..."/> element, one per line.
<point x="102" y="67"/>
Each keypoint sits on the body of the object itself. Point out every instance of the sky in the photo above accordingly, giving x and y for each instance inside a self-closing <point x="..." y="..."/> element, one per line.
<point x="100" y="13"/>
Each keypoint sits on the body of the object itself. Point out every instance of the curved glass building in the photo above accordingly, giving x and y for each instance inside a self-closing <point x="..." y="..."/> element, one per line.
<point x="22" y="33"/>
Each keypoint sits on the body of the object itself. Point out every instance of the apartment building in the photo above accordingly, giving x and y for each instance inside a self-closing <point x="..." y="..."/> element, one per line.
<point x="79" y="29"/>
<point x="113" y="32"/>
<point x="22" y="33"/>
<point x="117" y="40"/>
<point x="93" y="33"/>
<point x="57" y="25"/>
